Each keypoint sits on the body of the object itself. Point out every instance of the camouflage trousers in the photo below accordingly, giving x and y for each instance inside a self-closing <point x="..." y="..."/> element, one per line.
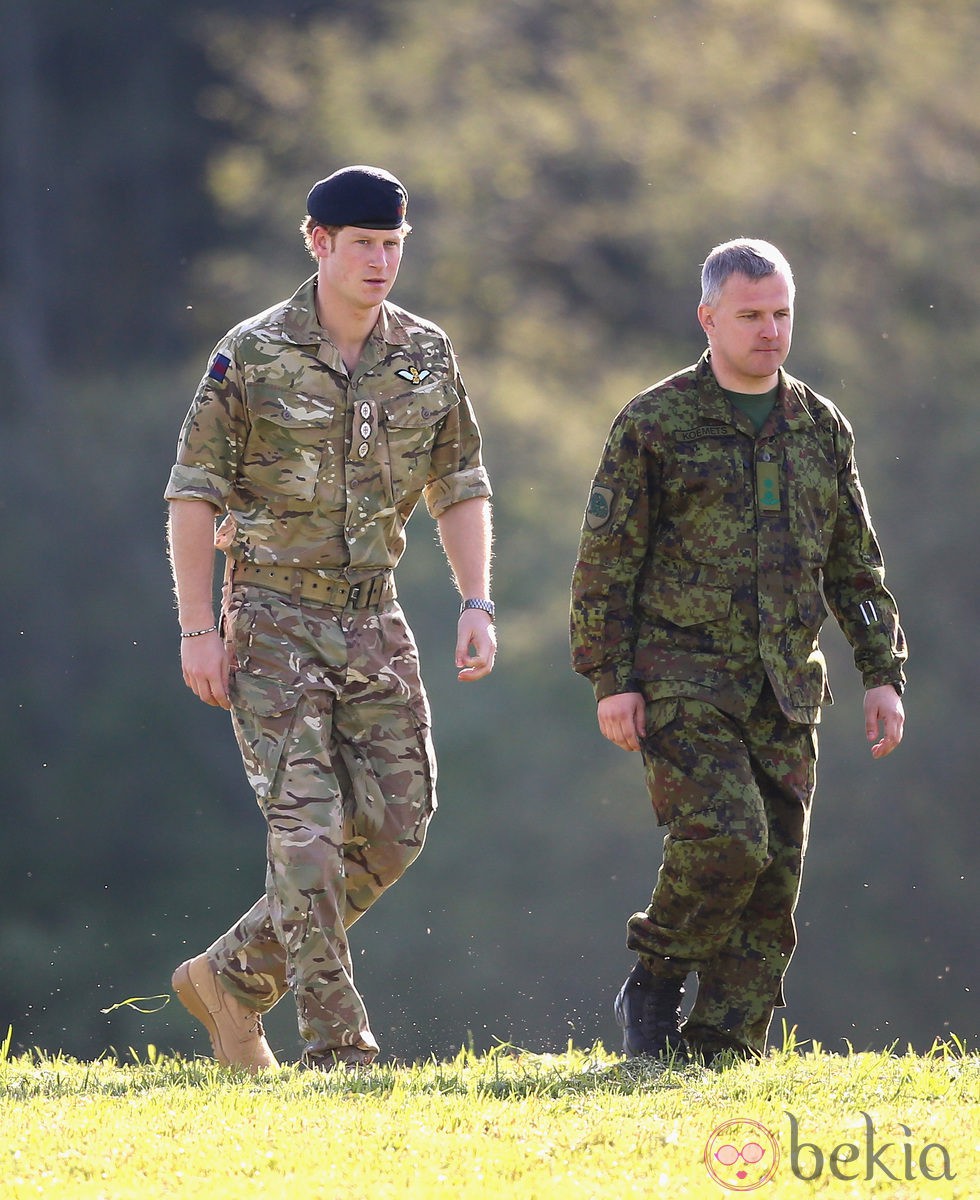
<point x="735" y="797"/>
<point x="333" y="723"/>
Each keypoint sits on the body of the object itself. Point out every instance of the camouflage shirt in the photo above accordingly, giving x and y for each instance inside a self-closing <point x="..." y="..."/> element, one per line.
<point x="319" y="468"/>
<point x="707" y="551"/>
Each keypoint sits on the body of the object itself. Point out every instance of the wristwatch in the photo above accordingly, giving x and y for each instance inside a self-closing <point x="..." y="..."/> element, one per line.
<point x="486" y="606"/>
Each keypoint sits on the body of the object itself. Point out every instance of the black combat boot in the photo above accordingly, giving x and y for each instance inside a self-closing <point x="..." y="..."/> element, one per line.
<point x="648" y="1010"/>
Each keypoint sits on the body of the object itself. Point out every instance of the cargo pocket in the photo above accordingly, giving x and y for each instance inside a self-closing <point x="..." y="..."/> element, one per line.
<point x="658" y="752"/>
<point x="808" y="685"/>
<point x="811" y="609"/>
<point x="658" y="715"/>
<point x="389" y="777"/>
<point x="428" y="760"/>
<point x="417" y="810"/>
<point x="364" y="801"/>
<point x="263" y="712"/>
<point x="689" y="617"/>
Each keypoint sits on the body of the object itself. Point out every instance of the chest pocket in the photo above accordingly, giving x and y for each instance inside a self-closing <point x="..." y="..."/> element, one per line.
<point x="289" y="438"/>
<point x="813" y="499"/>
<point x="704" y="468"/>
<point x="703" y="495"/>
<point x="412" y="421"/>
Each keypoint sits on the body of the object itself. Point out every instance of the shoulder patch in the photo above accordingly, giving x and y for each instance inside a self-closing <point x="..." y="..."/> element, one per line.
<point x="600" y="507"/>
<point x="219" y="368"/>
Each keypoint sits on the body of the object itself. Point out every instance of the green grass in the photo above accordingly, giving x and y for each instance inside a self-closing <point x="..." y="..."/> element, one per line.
<point x="503" y="1124"/>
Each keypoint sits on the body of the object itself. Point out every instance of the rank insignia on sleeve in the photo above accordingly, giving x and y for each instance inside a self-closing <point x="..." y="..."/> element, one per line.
<point x="600" y="507"/>
<point x="219" y="368"/>
<point x="413" y="375"/>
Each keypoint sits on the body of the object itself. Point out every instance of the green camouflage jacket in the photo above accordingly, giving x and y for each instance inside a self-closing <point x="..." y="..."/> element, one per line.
<point x="316" y="468"/>
<point x="707" y="551"/>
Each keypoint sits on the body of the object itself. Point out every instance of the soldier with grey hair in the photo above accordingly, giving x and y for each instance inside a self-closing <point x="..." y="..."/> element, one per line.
<point x="316" y="429"/>
<point x="726" y="509"/>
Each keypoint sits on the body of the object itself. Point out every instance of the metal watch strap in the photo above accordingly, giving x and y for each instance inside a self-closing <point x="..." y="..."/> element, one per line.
<point x="486" y="606"/>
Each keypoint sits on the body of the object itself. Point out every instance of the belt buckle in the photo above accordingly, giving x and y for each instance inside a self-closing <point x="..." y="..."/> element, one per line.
<point x="354" y="595"/>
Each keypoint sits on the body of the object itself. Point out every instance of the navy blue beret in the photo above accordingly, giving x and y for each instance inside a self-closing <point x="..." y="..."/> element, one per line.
<point x="367" y="197"/>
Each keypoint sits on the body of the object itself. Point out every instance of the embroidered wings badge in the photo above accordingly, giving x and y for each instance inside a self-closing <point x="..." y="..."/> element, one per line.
<point x="413" y="375"/>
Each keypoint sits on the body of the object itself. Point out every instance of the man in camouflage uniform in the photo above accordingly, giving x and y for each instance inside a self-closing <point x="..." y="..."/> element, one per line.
<point x="316" y="429"/>
<point x="726" y="507"/>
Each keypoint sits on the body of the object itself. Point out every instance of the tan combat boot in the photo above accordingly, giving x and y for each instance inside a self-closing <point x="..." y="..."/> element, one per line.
<point x="236" y="1032"/>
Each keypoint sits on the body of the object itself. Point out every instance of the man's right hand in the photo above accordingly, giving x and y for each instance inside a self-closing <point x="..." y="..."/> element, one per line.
<point x="622" y="719"/>
<point x="206" y="666"/>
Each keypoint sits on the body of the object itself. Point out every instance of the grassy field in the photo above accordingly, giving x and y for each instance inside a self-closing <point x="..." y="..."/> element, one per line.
<point x="503" y="1124"/>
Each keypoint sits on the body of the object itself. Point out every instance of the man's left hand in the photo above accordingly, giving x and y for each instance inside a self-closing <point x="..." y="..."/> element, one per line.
<point x="883" y="711"/>
<point x="476" y="645"/>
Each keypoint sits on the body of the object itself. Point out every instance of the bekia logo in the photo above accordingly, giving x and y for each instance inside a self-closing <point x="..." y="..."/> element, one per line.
<point x="866" y="1158"/>
<point x="742" y="1155"/>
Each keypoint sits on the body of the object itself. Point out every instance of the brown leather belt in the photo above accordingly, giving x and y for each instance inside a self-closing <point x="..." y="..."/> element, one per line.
<point x="306" y="584"/>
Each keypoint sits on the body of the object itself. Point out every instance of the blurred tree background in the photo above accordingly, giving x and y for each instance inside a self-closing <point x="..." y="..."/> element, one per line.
<point x="569" y="167"/>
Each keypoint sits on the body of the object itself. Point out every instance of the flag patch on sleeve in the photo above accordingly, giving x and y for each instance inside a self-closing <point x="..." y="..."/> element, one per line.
<point x="219" y="368"/>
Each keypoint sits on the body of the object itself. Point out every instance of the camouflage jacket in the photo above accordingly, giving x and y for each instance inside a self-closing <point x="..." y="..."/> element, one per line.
<point x="707" y="551"/>
<point x="317" y="468"/>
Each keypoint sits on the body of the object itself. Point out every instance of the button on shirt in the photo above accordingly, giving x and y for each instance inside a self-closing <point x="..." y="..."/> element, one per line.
<point x="319" y="468"/>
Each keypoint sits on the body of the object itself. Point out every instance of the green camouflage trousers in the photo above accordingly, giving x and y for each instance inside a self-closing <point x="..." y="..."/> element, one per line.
<point x="332" y="722"/>
<point x="735" y="797"/>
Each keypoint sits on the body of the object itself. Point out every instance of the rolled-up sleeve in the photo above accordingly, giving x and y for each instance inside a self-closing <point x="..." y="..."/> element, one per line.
<point x="212" y="435"/>
<point x="456" y="469"/>
<point x="193" y="483"/>
<point x="464" y="485"/>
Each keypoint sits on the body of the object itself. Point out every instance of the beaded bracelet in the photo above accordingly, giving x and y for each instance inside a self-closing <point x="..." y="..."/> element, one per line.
<point x="201" y="632"/>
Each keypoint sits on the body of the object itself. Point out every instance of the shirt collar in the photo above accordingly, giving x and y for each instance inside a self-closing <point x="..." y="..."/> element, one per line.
<point x="790" y="404"/>
<point x="300" y="324"/>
